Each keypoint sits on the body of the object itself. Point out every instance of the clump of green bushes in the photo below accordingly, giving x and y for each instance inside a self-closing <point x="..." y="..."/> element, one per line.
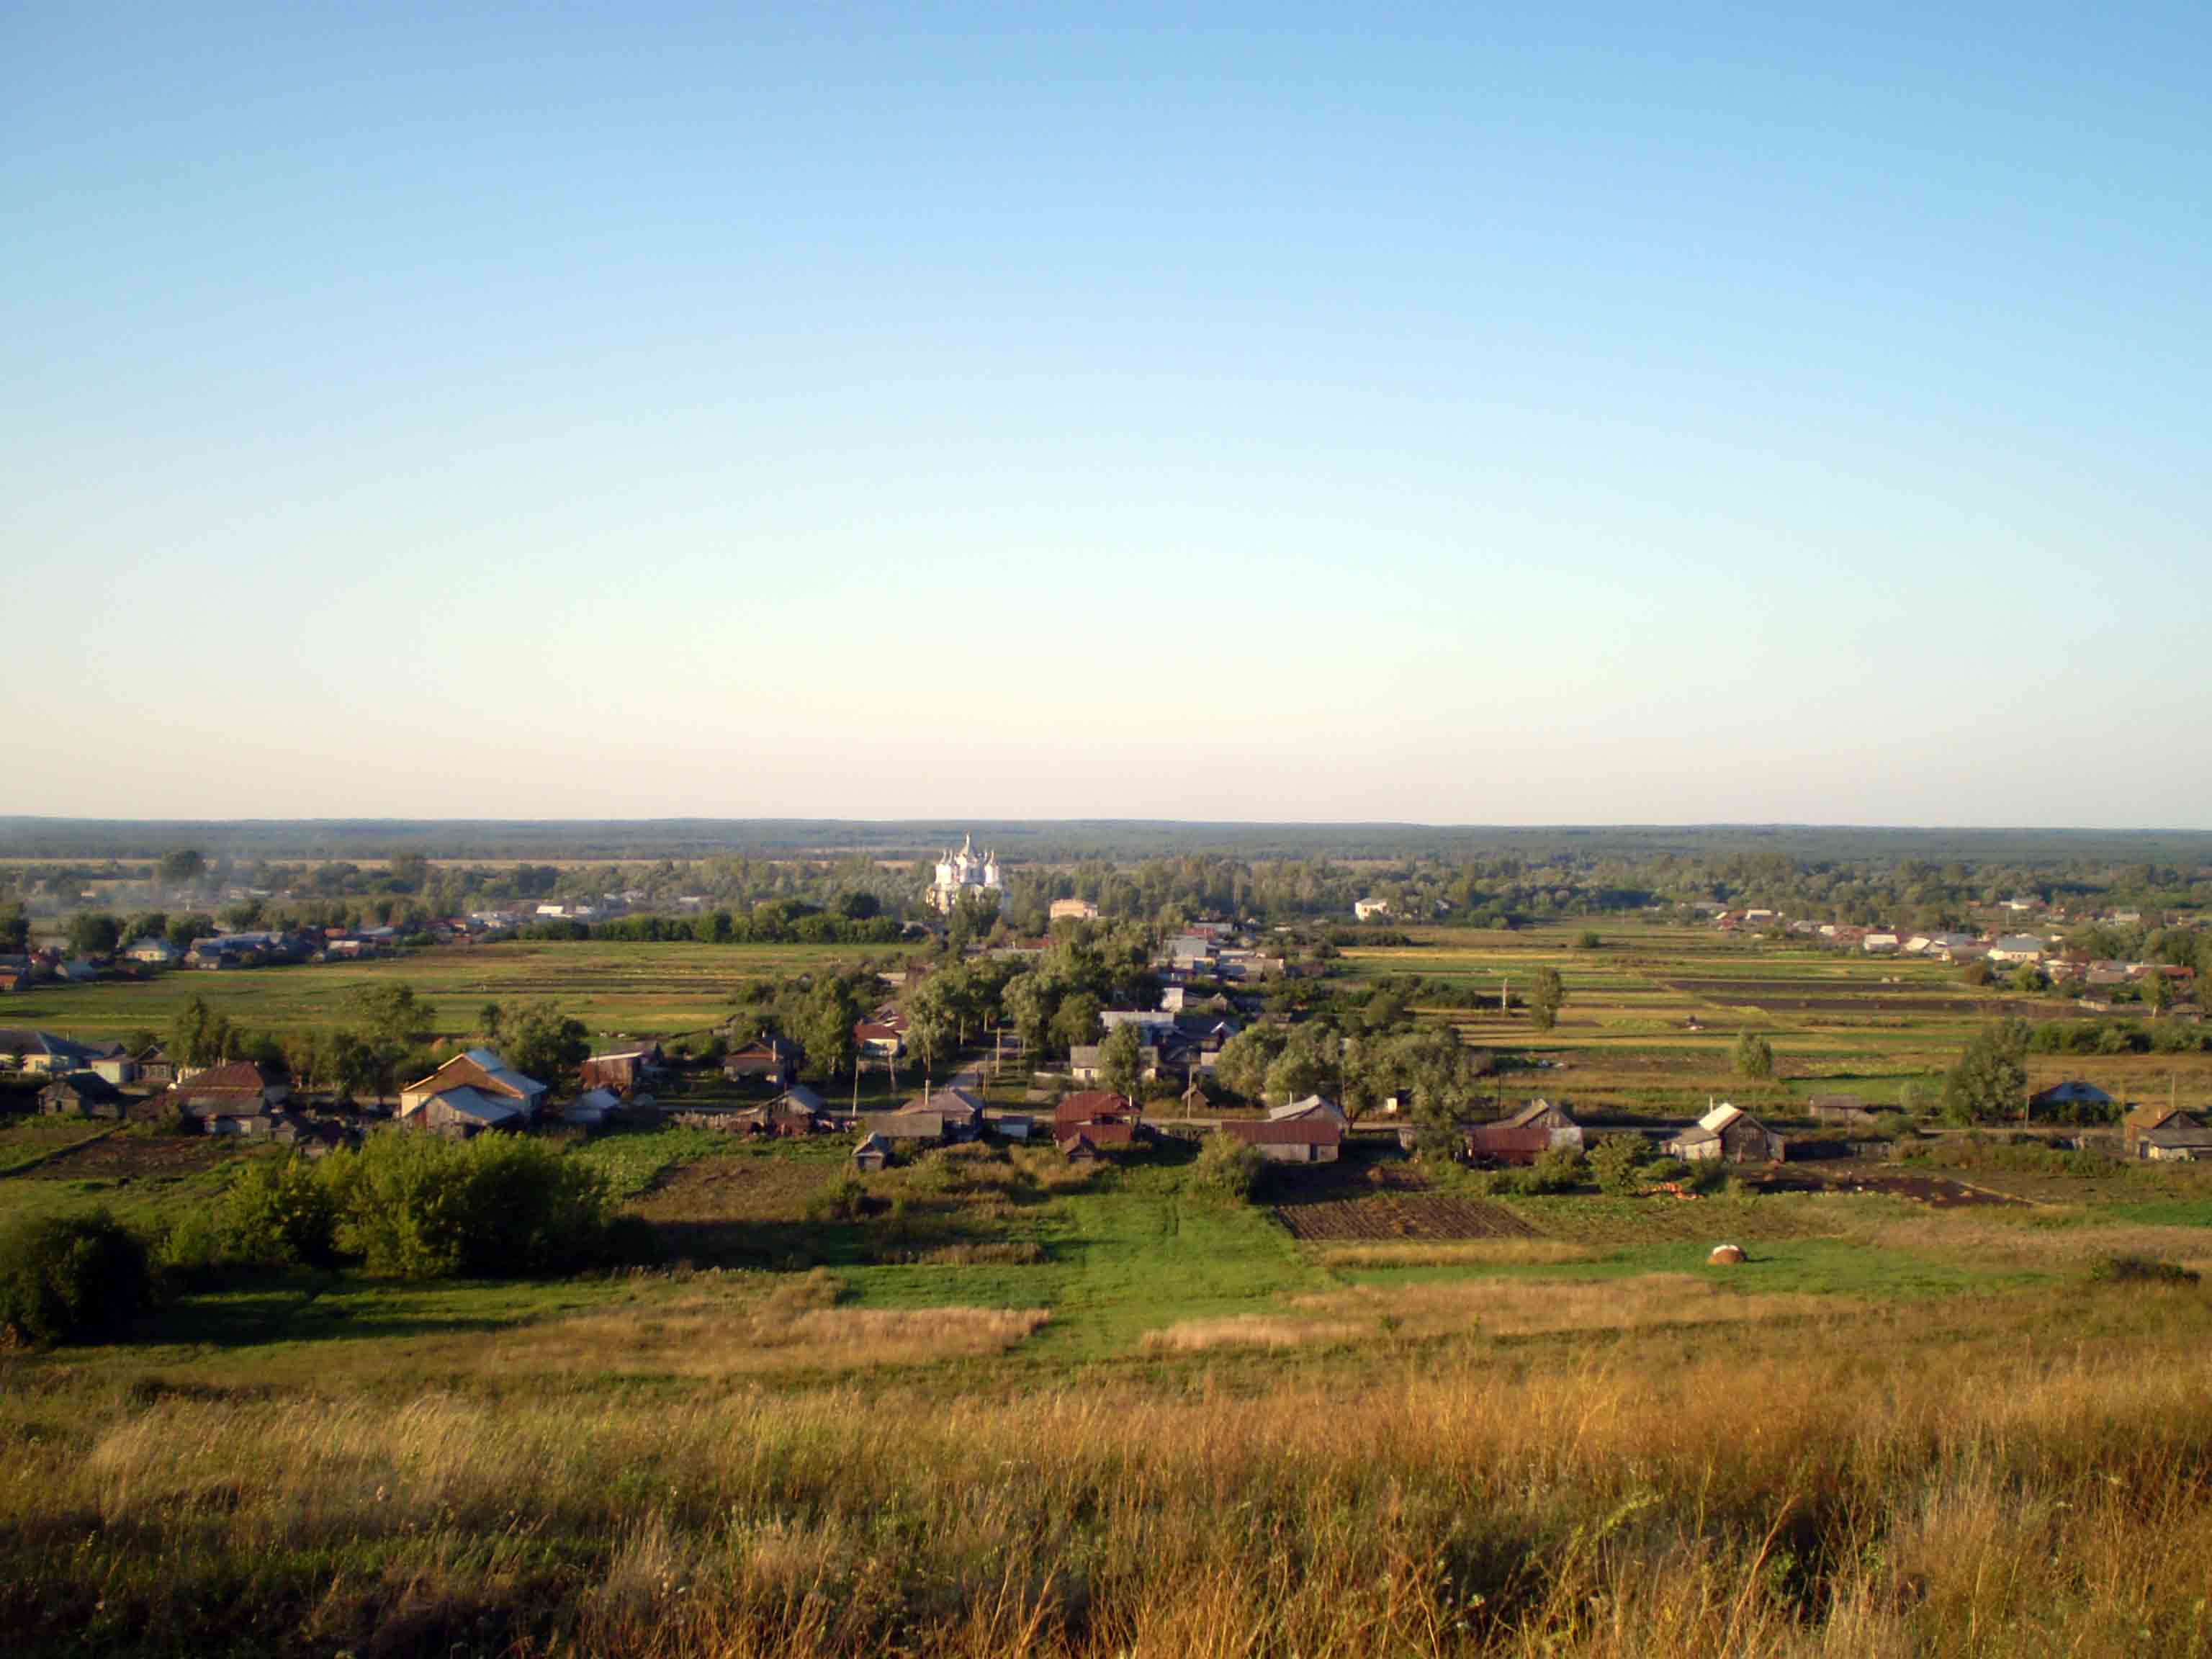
<point x="70" y="1278"/>
<point x="2141" y="1270"/>
<point x="415" y="1207"/>
<point x="1227" y="1170"/>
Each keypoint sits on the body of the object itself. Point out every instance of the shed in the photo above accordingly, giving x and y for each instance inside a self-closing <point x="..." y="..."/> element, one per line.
<point x="872" y="1153"/>
<point x="1316" y="1140"/>
<point x="1727" y="1134"/>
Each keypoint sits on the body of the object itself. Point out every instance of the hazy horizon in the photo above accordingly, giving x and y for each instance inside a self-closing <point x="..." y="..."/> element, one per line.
<point x="1447" y="419"/>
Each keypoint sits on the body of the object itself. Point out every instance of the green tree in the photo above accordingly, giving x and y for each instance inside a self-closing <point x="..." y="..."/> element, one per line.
<point x="199" y="1036"/>
<point x="183" y="930"/>
<point x="1617" y="1162"/>
<point x="1307" y="1066"/>
<point x="181" y="868"/>
<point x="1989" y="1081"/>
<point x="1242" y="1066"/>
<point x="94" y="934"/>
<point x="825" y="1025"/>
<point x="1546" y="998"/>
<point x="393" y="1026"/>
<point x="1121" y="1060"/>
<point x="14" y="930"/>
<point x="929" y="1022"/>
<point x="1029" y="1003"/>
<point x="1753" y="1057"/>
<point x="2157" y="992"/>
<point x="1076" y="1020"/>
<point x="541" y="1041"/>
<point x="70" y="1278"/>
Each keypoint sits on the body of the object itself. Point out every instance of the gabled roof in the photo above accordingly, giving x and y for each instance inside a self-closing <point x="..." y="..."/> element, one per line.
<point x="470" y="1102"/>
<point x="87" y="1085"/>
<point x="800" y="1098"/>
<point x="1536" y="1111"/>
<point x="1092" y="1105"/>
<point x="1313" y="1106"/>
<point x="1719" y="1118"/>
<point x="1317" y="1131"/>
<point x="238" y="1084"/>
<point x="478" y="1068"/>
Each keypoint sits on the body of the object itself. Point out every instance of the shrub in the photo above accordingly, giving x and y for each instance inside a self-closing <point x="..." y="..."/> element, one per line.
<point x="1228" y="1169"/>
<point x="2141" y="1270"/>
<point x="1559" y="1170"/>
<point x="278" y="1213"/>
<point x="497" y="1206"/>
<point x="70" y="1278"/>
<point x="844" y="1198"/>
<point x="1617" y="1162"/>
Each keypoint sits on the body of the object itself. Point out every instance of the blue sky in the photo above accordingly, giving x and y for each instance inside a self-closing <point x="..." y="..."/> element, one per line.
<point x="1619" y="414"/>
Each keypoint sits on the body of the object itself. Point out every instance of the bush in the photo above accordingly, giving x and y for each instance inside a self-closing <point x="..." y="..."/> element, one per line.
<point x="1617" y="1162"/>
<point x="279" y="1213"/>
<point x="845" y="1199"/>
<point x="1559" y="1170"/>
<point x="2141" y="1270"/>
<point x="414" y="1206"/>
<point x="70" y="1278"/>
<point x="1227" y="1170"/>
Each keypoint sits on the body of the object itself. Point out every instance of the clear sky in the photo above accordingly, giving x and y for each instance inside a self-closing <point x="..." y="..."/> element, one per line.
<point x="1545" y="414"/>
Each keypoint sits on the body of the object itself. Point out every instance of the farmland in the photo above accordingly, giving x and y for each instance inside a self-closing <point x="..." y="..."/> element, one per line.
<point x="669" y="989"/>
<point x="985" y="1401"/>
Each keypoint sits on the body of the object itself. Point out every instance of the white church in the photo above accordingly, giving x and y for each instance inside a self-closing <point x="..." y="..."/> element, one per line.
<point x="966" y="874"/>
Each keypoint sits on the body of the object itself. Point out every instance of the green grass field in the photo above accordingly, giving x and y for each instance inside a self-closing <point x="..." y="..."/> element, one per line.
<point x="667" y="989"/>
<point x="1004" y="1405"/>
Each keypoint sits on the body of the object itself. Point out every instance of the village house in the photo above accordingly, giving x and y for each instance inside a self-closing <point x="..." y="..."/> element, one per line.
<point x="2018" y="948"/>
<point x="1727" y="1134"/>
<point x="879" y="1039"/>
<point x="152" y="1064"/>
<point x="472" y="1091"/>
<point x="82" y="1094"/>
<point x="1073" y="910"/>
<point x="1538" y="1127"/>
<point x="794" y="1114"/>
<point x="41" y="1054"/>
<point x="622" y="1069"/>
<point x="1839" y="1109"/>
<point x="908" y="1129"/>
<point x="872" y="1153"/>
<point x="595" y="1109"/>
<point x="1312" y="1108"/>
<point x="153" y="952"/>
<point x="1367" y="909"/>
<point x="234" y="1099"/>
<point x="2071" y="1100"/>
<point x="1315" y="1138"/>
<point x="2166" y="1135"/>
<point x="768" y="1059"/>
<point x="1083" y="1062"/>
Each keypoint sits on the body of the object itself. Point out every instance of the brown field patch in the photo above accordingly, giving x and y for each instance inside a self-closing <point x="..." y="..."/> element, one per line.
<point x="1400" y="1214"/>
<point x="1251" y="1331"/>
<point x="127" y="1157"/>
<point x="1529" y="1306"/>
<point x="733" y="1326"/>
<point x="1466" y="1253"/>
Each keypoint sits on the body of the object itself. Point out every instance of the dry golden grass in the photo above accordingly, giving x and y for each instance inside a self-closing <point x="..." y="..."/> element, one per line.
<point x="1250" y="1331"/>
<point x="1458" y="1253"/>
<point x="728" y="1325"/>
<point x="1894" y="1482"/>
<point x="1527" y="1307"/>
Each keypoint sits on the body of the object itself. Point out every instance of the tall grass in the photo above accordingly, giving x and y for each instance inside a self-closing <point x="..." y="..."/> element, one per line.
<point x="1892" y="1484"/>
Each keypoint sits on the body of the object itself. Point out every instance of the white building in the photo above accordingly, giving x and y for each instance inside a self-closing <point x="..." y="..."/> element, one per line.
<point x="966" y="874"/>
<point x="1367" y="909"/>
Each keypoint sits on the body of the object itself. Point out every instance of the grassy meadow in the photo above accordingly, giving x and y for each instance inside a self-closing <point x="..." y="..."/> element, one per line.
<point x="668" y="989"/>
<point x="985" y="1402"/>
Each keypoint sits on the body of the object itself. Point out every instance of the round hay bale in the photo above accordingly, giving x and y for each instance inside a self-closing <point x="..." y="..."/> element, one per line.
<point x="1725" y="1255"/>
